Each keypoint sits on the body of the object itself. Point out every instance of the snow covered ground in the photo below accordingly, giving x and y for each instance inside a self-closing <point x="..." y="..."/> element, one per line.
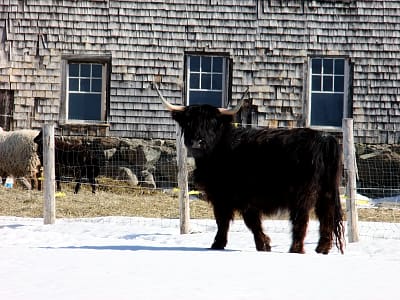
<point x="138" y="258"/>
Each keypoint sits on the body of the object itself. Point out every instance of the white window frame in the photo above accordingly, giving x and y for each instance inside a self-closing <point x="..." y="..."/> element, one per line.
<point x="224" y="74"/>
<point x="102" y="93"/>
<point x="105" y="61"/>
<point x="345" y="92"/>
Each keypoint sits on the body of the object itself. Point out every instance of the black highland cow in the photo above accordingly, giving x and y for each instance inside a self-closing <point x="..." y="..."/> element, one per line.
<point x="259" y="172"/>
<point x="75" y="156"/>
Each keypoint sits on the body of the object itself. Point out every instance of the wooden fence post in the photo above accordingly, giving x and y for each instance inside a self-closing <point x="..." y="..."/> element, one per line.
<point x="181" y="157"/>
<point x="49" y="211"/>
<point x="181" y="160"/>
<point x="351" y="187"/>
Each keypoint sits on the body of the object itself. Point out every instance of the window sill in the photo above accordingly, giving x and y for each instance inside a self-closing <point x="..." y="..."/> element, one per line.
<point x="326" y="128"/>
<point x="83" y="124"/>
<point x="84" y="128"/>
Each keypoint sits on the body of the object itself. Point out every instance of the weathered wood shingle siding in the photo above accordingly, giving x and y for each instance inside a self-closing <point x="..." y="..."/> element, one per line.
<point x="269" y="42"/>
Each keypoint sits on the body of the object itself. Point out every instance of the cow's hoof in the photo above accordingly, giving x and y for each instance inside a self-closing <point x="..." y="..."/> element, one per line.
<point x="297" y="249"/>
<point x="322" y="250"/>
<point x="324" y="245"/>
<point x="216" y="246"/>
<point x="263" y="247"/>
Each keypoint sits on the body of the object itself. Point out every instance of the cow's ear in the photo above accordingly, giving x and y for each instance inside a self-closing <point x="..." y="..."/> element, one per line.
<point x="178" y="116"/>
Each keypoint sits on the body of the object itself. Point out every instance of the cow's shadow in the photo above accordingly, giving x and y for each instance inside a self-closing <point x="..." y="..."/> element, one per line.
<point x="12" y="226"/>
<point x="140" y="248"/>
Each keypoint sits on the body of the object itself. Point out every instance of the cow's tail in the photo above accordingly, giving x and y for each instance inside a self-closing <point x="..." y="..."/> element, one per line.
<point x="333" y="170"/>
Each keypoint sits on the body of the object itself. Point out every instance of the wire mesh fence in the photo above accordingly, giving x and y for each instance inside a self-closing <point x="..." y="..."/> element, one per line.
<point x="379" y="173"/>
<point x="139" y="178"/>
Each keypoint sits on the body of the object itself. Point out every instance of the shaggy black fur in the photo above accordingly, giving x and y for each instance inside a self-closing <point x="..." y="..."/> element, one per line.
<point x="76" y="157"/>
<point x="262" y="171"/>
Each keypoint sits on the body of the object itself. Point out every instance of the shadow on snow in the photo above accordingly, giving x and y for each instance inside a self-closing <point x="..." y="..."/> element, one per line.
<point x="139" y="248"/>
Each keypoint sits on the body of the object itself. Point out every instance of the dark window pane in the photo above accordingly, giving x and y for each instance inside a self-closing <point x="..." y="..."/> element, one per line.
<point x="217" y="82"/>
<point x="194" y="81"/>
<point x="84" y="106"/>
<point x="206" y="97"/>
<point x="206" y="81"/>
<point x="328" y="83"/>
<point x="206" y="64"/>
<point x="316" y="83"/>
<point x="195" y="63"/>
<point x="85" y="85"/>
<point x="96" y="70"/>
<point x="217" y="64"/>
<point x="96" y="85"/>
<point x="316" y="66"/>
<point x="328" y="66"/>
<point x="339" y="66"/>
<point x="326" y="109"/>
<point x="85" y="70"/>
<point x="73" y="70"/>
<point x="73" y="84"/>
<point x="339" y="83"/>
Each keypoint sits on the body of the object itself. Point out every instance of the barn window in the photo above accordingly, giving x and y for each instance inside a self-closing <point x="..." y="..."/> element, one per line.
<point x="86" y="87"/>
<point x="207" y="80"/>
<point x="328" y="92"/>
<point x="6" y="109"/>
<point x="85" y="91"/>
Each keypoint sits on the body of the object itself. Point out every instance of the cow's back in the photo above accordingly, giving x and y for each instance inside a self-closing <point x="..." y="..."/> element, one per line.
<point x="266" y="167"/>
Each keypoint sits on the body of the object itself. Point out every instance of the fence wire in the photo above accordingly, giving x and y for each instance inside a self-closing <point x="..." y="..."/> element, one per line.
<point x="379" y="173"/>
<point x="139" y="178"/>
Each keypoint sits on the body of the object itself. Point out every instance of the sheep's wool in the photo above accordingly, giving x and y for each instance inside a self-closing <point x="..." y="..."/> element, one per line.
<point x="18" y="156"/>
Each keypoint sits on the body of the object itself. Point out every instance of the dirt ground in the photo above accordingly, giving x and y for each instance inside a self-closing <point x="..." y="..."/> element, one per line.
<point x="126" y="201"/>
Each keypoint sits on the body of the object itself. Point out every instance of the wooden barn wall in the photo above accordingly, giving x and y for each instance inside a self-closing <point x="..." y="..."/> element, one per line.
<point x="269" y="42"/>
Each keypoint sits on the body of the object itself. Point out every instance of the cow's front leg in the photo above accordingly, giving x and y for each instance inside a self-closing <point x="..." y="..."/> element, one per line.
<point x="223" y="218"/>
<point x="252" y="219"/>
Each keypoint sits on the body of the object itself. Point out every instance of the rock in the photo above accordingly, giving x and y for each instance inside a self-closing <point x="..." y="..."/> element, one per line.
<point x="148" y="180"/>
<point x="378" y="170"/>
<point x="127" y="175"/>
<point x="139" y="152"/>
<point x="109" y="153"/>
<point x="152" y="162"/>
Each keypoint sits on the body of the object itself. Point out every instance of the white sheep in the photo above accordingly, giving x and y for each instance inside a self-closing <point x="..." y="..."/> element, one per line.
<point x="18" y="155"/>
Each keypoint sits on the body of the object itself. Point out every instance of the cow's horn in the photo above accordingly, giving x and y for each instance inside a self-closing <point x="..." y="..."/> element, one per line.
<point x="170" y="106"/>
<point x="233" y="110"/>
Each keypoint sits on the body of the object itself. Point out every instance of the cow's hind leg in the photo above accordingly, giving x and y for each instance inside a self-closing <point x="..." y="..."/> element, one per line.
<point x="79" y="175"/>
<point x="299" y="218"/>
<point x="325" y="213"/>
<point x="252" y="219"/>
<point x="223" y="217"/>
<point x="92" y="178"/>
<point x="93" y="184"/>
<point x="58" y="178"/>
